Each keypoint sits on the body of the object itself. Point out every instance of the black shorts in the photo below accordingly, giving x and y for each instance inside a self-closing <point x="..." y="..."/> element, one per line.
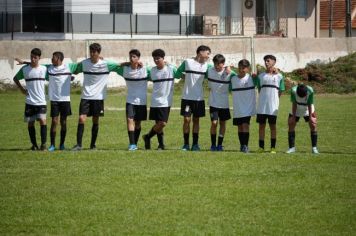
<point x="60" y="108"/>
<point x="241" y="120"/>
<point x="189" y="107"/>
<point x="33" y="112"/>
<point x="261" y="119"/>
<point x="306" y="118"/>
<point x="91" y="107"/>
<point x="159" y="113"/>
<point x="136" y="112"/>
<point x="219" y="113"/>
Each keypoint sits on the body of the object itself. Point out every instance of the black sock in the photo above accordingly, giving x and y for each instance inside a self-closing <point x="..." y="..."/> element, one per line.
<point x="160" y="139"/>
<point x="53" y="137"/>
<point x="32" y="133"/>
<point x="195" y="138"/>
<point x="151" y="133"/>
<point x="131" y="137"/>
<point x="186" y="138"/>
<point x="273" y="142"/>
<point x="291" y="139"/>
<point x="213" y="139"/>
<point x="43" y="134"/>
<point x="246" y="137"/>
<point x="137" y="135"/>
<point x="63" y="135"/>
<point x="261" y="143"/>
<point x="220" y="140"/>
<point x="94" y="134"/>
<point x="80" y="131"/>
<point x="314" y="138"/>
<point x="241" y="139"/>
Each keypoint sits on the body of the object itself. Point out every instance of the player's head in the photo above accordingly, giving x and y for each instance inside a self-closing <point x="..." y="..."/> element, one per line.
<point x="57" y="58"/>
<point x="158" y="57"/>
<point x="203" y="53"/>
<point x="219" y="62"/>
<point x="270" y="61"/>
<point x="302" y="90"/>
<point x="35" y="56"/>
<point x="95" y="50"/>
<point x="244" y="66"/>
<point x="134" y="55"/>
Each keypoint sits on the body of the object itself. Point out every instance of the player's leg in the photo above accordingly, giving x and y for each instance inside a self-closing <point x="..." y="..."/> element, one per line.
<point x="94" y="131"/>
<point x="292" y="123"/>
<point x="196" y="127"/>
<point x="222" y="130"/>
<point x="160" y="135"/>
<point x="84" y="111"/>
<point x="186" y="112"/>
<point x="245" y="130"/>
<point x="261" y="120"/>
<point x="137" y="130"/>
<point x="130" y="123"/>
<point x="313" y="133"/>
<point x="63" y="121"/>
<point x="214" y="117"/>
<point x="43" y="125"/>
<point x="32" y="133"/>
<point x="54" y="124"/>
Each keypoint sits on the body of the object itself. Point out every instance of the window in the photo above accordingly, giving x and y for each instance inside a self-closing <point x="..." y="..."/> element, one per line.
<point x="121" y="6"/>
<point x="168" y="6"/>
<point x="302" y="8"/>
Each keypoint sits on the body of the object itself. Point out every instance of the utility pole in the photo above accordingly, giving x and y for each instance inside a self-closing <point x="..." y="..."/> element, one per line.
<point x="348" y="18"/>
<point x="331" y="16"/>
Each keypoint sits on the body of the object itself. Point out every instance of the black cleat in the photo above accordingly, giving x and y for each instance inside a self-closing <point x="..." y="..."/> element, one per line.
<point x="147" y="141"/>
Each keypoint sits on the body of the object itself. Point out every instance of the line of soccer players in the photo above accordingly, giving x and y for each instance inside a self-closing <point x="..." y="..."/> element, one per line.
<point x="221" y="80"/>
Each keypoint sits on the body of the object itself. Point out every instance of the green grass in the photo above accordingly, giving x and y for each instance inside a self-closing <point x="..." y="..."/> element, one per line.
<point x="113" y="191"/>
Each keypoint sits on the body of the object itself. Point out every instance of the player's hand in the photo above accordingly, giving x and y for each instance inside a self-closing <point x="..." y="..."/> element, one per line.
<point x="275" y="70"/>
<point x="228" y="70"/>
<point x="19" y="61"/>
<point x="24" y="91"/>
<point x="72" y="78"/>
<point x="313" y="118"/>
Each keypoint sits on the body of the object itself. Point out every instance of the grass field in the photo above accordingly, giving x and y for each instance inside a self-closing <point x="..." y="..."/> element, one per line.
<point x="113" y="191"/>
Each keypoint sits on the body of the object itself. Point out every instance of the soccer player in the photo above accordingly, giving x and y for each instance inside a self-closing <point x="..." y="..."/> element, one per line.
<point x="162" y="76"/>
<point x="244" y="102"/>
<point x="270" y="85"/>
<point x="219" y="82"/>
<point x="192" y="102"/>
<point x="35" y="104"/>
<point x="96" y="72"/>
<point x="302" y="98"/>
<point x="136" y="101"/>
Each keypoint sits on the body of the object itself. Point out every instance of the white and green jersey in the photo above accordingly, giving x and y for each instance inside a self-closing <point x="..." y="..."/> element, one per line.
<point x="302" y="103"/>
<point x="269" y="86"/>
<point x="243" y="96"/>
<point x="136" y="83"/>
<point x="219" y="83"/>
<point x="194" y="78"/>
<point x="163" y="84"/>
<point x="95" y="78"/>
<point x="59" y="81"/>
<point x="35" y="83"/>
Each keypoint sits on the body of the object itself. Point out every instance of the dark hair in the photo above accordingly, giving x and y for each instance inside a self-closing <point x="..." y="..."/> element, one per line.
<point x="218" y="58"/>
<point x="203" y="48"/>
<point x="135" y="52"/>
<point x="158" y="53"/>
<point x="244" y="63"/>
<point x="302" y="90"/>
<point x="36" y="52"/>
<point x="269" y="57"/>
<point x="95" y="47"/>
<point x="59" y="55"/>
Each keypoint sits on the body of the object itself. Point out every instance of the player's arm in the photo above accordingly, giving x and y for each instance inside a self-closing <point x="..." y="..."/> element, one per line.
<point x="282" y="86"/>
<point x="78" y="69"/>
<point x="148" y="71"/>
<point x="19" y="76"/>
<point x="180" y="71"/>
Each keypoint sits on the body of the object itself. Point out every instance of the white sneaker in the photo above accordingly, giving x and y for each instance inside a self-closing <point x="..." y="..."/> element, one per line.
<point x="290" y="150"/>
<point x="315" y="150"/>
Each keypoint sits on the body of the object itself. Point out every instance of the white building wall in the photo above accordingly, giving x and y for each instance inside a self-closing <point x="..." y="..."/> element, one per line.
<point x="95" y="6"/>
<point x="145" y="6"/>
<point x="187" y="7"/>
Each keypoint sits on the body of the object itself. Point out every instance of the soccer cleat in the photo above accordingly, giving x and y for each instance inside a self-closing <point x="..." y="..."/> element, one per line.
<point x="212" y="148"/>
<point x="51" y="148"/>
<point x="147" y="141"/>
<point x="315" y="150"/>
<point x="77" y="148"/>
<point x="273" y="151"/>
<point x="260" y="150"/>
<point x="219" y="148"/>
<point x="195" y="148"/>
<point x="133" y="147"/>
<point x="43" y="147"/>
<point x="160" y="147"/>
<point x="34" y="148"/>
<point x="291" y="150"/>
<point x="245" y="149"/>
<point x="93" y="147"/>
<point x="61" y="147"/>
<point x="185" y="147"/>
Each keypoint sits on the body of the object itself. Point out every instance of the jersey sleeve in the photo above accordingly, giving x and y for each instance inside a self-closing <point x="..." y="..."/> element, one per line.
<point x="112" y="65"/>
<point x="148" y="70"/>
<point x="258" y="81"/>
<point x="311" y="96"/>
<point x="79" y="68"/>
<point x="282" y="86"/>
<point x="119" y="70"/>
<point x="72" y="67"/>
<point x="180" y="70"/>
<point x="293" y="98"/>
<point x="255" y="80"/>
<point x="19" y="75"/>
<point x="47" y="75"/>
